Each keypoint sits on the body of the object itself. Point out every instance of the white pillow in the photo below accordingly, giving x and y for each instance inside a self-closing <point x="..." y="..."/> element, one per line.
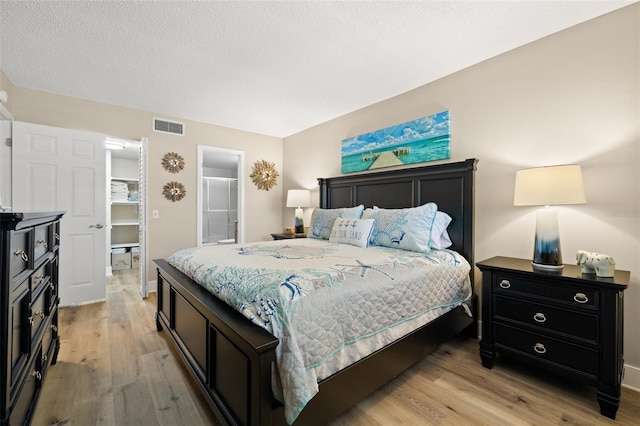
<point x="322" y="220"/>
<point x="439" y="236"/>
<point x="351" y="231"/>
<point x="408" y="229"/>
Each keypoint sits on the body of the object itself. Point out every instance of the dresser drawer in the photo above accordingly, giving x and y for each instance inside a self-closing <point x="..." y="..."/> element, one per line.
<point x="25" y="403"/>
<point x="38" y="315"/>
<point x="575" y="324"/>
<point x="49" y="337"/>
<point x="41" y="241"/>
<point x="564" y="355"/>
<point x="55" y="235"/>
<point x="570" y="295"/>
<point x="40" y="277"/>
<point x="20" y="252"/>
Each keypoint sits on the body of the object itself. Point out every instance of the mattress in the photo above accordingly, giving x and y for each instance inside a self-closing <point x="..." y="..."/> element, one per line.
<point x="328" y="304"/>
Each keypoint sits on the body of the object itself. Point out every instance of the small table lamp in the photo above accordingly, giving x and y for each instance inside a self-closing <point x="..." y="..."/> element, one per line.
<point x="548" y="186"/>
<point x="299" y="198"/>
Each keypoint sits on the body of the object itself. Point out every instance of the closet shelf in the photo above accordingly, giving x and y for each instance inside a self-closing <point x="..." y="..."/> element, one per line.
<point x="115" y="203"/>
<point x="125" y="223"/>
<point x="125" y="245"/>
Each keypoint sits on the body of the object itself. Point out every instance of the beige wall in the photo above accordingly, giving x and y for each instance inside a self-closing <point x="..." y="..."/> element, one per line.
<point x="176" y="227"/>
<point x="6" y="85"/>
<point x="572" y="97"/>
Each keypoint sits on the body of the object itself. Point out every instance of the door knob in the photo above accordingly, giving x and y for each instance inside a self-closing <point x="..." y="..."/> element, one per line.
<point x="98" y="226"/>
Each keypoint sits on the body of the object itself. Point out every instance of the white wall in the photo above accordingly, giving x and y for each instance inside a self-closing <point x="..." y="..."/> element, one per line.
<point x="572" y="97"/>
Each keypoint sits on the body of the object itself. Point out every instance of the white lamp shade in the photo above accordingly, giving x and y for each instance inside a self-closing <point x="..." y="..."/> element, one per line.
<point x="298" y="198"/>
<point x="545" y="186"/>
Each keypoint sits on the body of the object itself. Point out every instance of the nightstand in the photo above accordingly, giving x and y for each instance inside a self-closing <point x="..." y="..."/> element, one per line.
<point x="567" y="322"/>
<point x="287" y="236"/>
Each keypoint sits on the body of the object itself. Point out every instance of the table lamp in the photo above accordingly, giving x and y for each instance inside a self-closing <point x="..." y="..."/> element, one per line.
<point x="299" y="198"/>
<point x="547" y="186"/>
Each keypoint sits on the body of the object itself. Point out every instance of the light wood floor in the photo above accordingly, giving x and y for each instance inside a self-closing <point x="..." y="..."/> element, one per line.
<point x="115" y="369"/>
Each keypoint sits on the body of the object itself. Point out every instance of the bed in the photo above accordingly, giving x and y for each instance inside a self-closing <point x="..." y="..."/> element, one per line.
<point x="232" y="359"/>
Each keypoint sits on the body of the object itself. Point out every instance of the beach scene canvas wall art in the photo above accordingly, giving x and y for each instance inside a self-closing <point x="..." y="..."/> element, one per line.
<point x="424" y="139"/>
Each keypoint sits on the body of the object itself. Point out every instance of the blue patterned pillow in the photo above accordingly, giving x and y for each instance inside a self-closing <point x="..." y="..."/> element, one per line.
<point x="408" y="229"/>
<point x="322" y="220"/>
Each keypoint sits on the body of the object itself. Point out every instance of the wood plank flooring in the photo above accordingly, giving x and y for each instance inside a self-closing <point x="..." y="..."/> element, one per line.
<point x="114" y="368"/>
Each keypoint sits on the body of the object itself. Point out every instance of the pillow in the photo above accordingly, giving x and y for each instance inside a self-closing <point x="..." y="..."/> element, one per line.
<point x="439" y="236"/>
<point x="408" y="229"/>
<point x="351" y="231"/>
<point x="322" y="220"/>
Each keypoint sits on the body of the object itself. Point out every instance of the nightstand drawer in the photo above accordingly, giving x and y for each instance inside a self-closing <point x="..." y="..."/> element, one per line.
<point x="575" y="296"/>
<point x="564" y="355"/>
<point x="574" y="324"/>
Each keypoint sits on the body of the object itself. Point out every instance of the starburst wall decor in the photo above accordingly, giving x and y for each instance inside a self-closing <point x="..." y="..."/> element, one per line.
<point x="264" y="175"/>
<point x="172" y="162"/>
<point x="174" y="191"/>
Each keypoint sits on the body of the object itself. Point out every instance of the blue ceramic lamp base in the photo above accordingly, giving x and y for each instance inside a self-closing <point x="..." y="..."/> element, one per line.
<point x="547" y="255"/>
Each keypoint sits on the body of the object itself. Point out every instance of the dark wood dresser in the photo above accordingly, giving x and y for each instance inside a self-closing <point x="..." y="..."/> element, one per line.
<point x="566" y="322"/>
<point x="29" y="340"/>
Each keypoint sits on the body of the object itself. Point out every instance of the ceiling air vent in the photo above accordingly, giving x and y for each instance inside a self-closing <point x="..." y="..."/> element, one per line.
<point x="168" y="126"/>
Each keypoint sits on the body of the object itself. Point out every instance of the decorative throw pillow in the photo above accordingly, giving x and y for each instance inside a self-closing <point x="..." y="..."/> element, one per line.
<point x="408" y="229"/>
<point x="322" y="220"/>
<point x="351" y="231"/>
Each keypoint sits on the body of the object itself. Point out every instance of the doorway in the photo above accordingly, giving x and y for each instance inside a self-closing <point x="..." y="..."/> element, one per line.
<point x="220" y="218"/>
<point x="126" y="212"/>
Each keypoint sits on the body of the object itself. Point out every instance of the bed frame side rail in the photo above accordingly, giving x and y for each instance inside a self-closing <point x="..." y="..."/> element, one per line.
<point x="229" y="357"/>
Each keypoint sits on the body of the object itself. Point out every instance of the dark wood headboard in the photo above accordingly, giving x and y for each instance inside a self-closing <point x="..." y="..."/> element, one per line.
<point x="450" y="186"/>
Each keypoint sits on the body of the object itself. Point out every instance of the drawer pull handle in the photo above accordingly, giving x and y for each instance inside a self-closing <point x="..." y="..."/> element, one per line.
<point x="42" y="243"/>
<point x="539" y="317"/>
<point x="52" y="287"/>
<point x="22" y="254"/>
<point x="54" y="327"/>
<point x="581" y="298"/>
<point x="505" y="284"/>
<point x="39" y="278"/>
<point x="44" y="358"/>
<point x="30" y="319"/>
<point x="539" y="348"/>
<point x="37" y="375"/>
<point x="40" y="314"/>
<point x="56" y="236"/>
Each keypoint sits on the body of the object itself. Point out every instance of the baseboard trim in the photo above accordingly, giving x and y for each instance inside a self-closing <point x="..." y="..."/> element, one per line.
<point x="152" y="286"/>
<point x="631" y="378"/>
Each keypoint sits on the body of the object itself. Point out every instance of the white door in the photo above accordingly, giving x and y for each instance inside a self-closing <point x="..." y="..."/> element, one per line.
<point x="62" y="169"/>
<point x="142" y="216"/>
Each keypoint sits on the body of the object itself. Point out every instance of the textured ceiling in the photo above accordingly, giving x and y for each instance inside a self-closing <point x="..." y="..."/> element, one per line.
<point x="273" y="68"/>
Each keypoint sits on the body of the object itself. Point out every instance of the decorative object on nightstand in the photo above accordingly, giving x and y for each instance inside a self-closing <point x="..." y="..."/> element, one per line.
<point x="286" y="236"/>
<point x="299" y="198"/>
<point x="547" y="186"/>
<point x="569" y="323"/>
<point x="596" y="263"/>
